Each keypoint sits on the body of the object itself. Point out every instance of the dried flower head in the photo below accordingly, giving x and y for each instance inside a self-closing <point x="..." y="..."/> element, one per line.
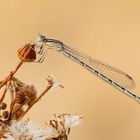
<point x="30" y="93"/>
<point x="28" y="53"/>
<point x="59" y="127"/>
<point x="24" y="95"/>
<point x="24" y="130"/>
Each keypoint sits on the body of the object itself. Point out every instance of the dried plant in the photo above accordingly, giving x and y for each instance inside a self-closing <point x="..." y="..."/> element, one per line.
<point x="23" y="98"/>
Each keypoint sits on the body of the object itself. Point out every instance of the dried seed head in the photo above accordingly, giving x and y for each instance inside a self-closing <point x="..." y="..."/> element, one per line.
<point x="5" y="114"/>
<point x="25" y="95"/>
<point x="61" y="124"/>
<point x="27" y="53"/>
<point x="19" y="98"/>
<point x="3" y="106"/>
<point x="30" y="93"/>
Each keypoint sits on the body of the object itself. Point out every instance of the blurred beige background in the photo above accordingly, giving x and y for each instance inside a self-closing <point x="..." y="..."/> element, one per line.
<point x="107" y="30"/>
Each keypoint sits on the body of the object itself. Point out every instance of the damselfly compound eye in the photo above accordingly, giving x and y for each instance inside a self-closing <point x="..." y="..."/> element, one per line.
<point x="27" y="53"/>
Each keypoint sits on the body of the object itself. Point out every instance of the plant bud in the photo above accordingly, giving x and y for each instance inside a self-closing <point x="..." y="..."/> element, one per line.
<point x="27" y="53"/>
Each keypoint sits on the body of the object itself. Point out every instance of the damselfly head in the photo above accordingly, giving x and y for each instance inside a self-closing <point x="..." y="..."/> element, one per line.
<point x="27" y="53"/>
<point x="50" y="43"/>
<point x="41" y="38"/>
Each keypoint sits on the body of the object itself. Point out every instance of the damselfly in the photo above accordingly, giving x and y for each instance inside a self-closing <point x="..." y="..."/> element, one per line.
<point x="115" y="77"/>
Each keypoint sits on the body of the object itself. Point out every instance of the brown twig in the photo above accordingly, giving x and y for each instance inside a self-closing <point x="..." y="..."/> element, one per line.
<point x="9" y="77"/>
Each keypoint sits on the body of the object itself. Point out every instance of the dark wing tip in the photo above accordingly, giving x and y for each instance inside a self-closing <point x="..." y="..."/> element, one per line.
<point x="132" y="84"/>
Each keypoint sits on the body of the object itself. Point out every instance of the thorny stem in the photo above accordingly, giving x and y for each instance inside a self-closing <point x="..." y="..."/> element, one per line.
<point x="9" y="77"/>
<point x="41" y="95"/>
